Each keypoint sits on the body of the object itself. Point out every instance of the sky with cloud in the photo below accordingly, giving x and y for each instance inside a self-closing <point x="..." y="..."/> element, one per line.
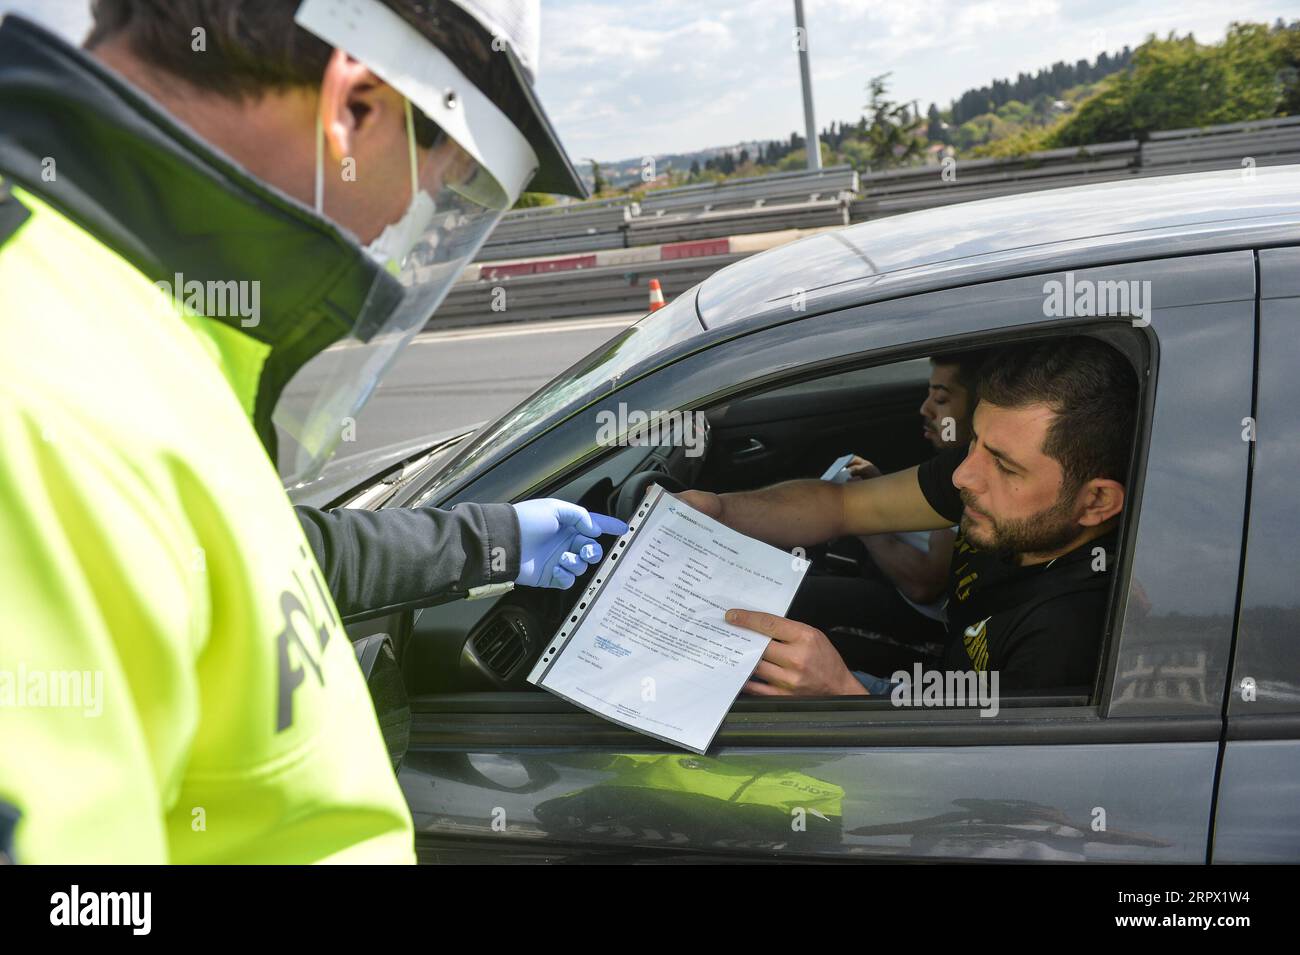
<point x="623" y="79"/>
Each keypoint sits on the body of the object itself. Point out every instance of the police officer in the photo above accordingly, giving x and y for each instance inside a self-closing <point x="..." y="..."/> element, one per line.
<point x="221" y="221"/>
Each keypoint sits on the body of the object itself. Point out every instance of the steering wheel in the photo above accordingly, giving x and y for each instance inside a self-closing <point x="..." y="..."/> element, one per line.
<point x="634" y="488"/>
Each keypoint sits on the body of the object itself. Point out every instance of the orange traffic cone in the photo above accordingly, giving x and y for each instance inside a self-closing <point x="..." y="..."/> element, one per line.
<point x="656" y="296"/>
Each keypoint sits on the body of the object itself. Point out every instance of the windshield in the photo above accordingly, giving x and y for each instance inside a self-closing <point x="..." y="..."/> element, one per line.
<point x="594" y="376"/>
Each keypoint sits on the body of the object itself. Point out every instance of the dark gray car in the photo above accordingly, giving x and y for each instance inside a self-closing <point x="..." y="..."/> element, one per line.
<point x="1187" y="746"/>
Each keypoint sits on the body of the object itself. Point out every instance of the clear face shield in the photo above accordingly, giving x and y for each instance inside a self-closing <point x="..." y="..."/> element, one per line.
<point x="452" y="202"/>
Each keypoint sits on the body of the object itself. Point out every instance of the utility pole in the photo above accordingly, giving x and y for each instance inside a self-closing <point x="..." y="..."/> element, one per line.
<point x="810" y="124"/>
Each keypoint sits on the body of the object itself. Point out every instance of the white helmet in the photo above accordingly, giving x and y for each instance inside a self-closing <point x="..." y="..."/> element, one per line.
<point x="477" y="137"/>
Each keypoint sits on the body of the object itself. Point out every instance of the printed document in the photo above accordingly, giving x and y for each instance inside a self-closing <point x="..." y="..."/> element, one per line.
<point x="646" y="645"/>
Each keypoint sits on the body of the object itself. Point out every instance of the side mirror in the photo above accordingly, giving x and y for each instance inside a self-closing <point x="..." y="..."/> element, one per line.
<point x="379" y="666"/>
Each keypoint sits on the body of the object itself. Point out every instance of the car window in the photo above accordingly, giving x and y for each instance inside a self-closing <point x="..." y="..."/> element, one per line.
<point x="884" y="602"/>
<point x="595" y="375"/>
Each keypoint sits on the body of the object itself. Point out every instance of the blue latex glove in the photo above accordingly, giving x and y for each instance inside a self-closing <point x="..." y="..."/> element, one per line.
<point x="558" y="541"/>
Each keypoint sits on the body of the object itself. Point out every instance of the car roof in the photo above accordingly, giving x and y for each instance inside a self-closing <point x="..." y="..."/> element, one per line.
<point x="1123" y="220"/>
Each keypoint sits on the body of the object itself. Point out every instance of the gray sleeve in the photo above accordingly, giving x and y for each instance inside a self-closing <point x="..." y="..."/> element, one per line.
<point x="377" y="562"/>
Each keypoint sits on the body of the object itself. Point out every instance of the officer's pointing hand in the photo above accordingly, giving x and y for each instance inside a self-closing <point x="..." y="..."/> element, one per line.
<point x="558" y="541"/>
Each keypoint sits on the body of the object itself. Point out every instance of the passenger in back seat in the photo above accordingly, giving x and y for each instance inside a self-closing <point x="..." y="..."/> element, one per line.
<point x="901" y="590"/>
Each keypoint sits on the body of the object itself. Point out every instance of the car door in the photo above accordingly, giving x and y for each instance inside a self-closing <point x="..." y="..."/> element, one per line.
<point x="1124" y="775"/>
<point x="1257" y="815"/>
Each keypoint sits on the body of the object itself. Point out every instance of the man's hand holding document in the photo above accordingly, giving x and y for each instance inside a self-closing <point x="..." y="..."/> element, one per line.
<point x="647" y="644"/>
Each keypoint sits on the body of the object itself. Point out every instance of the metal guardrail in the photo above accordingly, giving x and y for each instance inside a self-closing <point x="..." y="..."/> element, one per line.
<point x="803" y="199"/>
<point x="1265" y="142"/>
<point x="545" y="212"/>
<point x="787" y="200"/>
<point x="685" y="227"/>
<point x="711" y="210"/>
<point x="780" y="188"/>
<point x="555" y="230"/>
<point x="924" y="187"/>
<point x="525" y="248"/>
<point x="593" y="291"/>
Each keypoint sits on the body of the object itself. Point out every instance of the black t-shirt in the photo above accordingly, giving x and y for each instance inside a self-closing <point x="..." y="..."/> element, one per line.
<point x="1040" y="626"/>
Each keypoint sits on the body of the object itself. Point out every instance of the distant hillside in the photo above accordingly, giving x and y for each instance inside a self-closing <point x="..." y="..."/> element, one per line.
<point x="1050" y="82"/>
<point x="1170" y="83"/>
<point x="1002" y="109"/>
<point x="627" y="173"/>
<point x="1177" y="83"/>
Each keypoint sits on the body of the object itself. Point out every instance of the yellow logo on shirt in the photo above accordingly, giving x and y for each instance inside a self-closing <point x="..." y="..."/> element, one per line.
<point x="977" y="644"/>
<point x="963" y="576"/>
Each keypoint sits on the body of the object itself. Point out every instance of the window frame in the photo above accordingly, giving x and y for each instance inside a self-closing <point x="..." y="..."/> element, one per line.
<point x="762" y="721"/>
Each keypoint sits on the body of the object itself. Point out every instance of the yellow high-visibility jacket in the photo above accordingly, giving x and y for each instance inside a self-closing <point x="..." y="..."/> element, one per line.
<point x="175" y="681"/>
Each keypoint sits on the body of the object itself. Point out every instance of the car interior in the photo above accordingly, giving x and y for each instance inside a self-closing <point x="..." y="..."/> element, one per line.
<point x="793" y="430"/>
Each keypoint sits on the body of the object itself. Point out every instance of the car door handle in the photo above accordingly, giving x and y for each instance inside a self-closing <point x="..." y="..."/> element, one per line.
<point x="752" y="449"/>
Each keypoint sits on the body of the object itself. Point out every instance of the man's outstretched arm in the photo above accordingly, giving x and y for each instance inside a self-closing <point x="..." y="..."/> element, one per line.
<point x="810" y="512"/>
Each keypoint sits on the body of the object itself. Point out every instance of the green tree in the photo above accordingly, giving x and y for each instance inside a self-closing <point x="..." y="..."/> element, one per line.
<point x="530" y="200"/>
<point x="1176" y="83"/>
<point x="798" y="159"/>
<point x="890" y="129"/>
<point x="1288" y="55"/>
<point x="934" y="128"/>
<point x="598" y="182"/>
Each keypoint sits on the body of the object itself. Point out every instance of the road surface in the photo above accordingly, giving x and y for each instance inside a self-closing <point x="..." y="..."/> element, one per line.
<point x="446" y="379"/>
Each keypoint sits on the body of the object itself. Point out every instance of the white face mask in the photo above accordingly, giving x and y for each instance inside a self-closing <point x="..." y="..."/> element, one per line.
<point x="391" y="246"/>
